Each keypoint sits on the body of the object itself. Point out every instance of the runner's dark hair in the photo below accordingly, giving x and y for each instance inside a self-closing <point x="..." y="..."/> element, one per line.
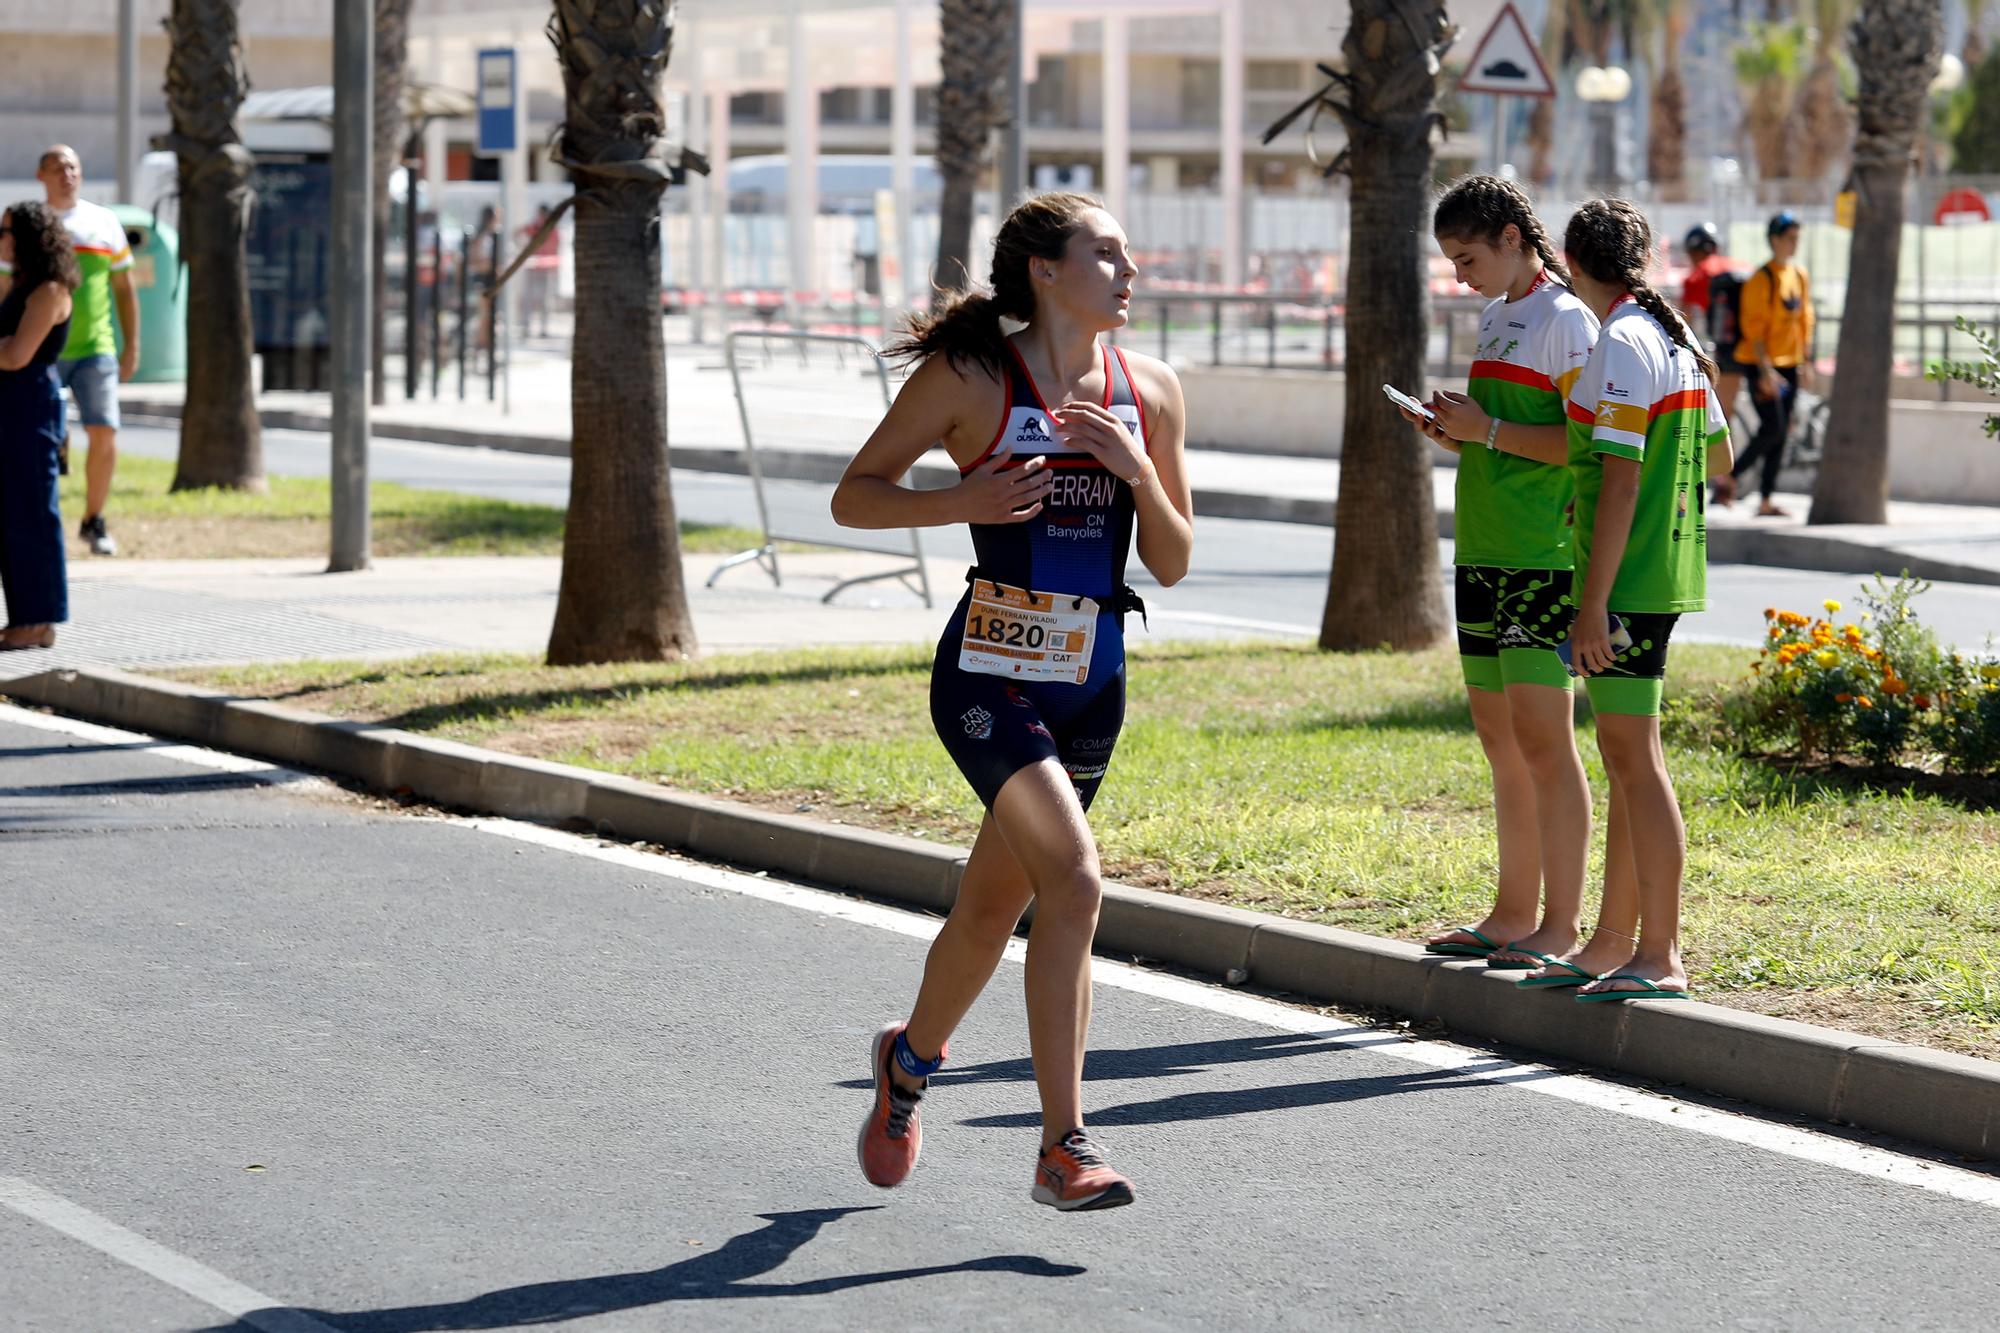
<point x="1610" y="242"/>
<point x="42" y="250"/>
<point x="1478" y="208"/>
<point x="967" y="329"/>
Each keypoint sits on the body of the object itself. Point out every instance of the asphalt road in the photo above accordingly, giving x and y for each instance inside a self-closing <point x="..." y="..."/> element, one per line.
<point x="1260" y="578"/>
<point x="278" y="1059"/>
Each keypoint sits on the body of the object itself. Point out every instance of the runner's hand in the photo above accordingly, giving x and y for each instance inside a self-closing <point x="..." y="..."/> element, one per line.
<point x="1103" y="436"/>
<point x="1459" y="417"/>
<point x="1590" y="642"/>
<point x="1002" y="490"/>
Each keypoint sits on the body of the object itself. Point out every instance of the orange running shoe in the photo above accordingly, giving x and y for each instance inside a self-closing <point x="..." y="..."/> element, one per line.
<point x="1071" y="1176"/>
<point x="891" y="1137"/>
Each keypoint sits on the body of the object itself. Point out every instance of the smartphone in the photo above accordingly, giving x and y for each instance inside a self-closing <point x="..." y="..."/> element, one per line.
<point x="1403" y="400"/>
<point x="1621" y="641"/>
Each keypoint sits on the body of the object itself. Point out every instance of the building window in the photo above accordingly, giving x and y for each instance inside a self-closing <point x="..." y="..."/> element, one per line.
<point x="757" y="109"/>
<point x="1273" y="76"/>
<point x="1201" y="93"/>
<point x="1048" y="95"/>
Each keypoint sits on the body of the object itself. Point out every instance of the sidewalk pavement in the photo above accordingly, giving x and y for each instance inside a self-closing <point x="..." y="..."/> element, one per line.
<point x="812" y="417"/>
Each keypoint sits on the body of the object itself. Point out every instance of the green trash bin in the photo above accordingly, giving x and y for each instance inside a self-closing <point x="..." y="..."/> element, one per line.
<point x="162" y="290"/>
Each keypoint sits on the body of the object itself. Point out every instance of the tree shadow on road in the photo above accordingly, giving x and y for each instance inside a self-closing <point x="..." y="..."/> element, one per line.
<point x="722" y="1274"/>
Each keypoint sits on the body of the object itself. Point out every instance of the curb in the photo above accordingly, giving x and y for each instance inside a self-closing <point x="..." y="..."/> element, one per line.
<point x="1911" y="1092"/>
<point x="1814" y="551"/>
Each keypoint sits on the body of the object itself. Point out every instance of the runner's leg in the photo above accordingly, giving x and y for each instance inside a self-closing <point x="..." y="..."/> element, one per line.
<point x="992" y="894"/>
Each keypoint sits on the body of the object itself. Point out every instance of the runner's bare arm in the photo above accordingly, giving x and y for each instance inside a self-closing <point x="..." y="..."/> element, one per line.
<point x="1721" y="454"/>
<point x="938" y="404"/>
<point x="1165" y="499"/>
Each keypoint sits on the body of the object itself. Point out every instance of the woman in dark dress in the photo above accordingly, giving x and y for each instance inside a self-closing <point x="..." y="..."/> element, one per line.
<point x="34" y="322"/>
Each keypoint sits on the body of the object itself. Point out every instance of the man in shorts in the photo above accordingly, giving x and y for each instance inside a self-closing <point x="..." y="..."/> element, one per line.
<point x="91" y="365"/>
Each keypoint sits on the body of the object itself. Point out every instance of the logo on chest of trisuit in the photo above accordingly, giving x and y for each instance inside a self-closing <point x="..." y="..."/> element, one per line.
<point x="1032" y="429"/>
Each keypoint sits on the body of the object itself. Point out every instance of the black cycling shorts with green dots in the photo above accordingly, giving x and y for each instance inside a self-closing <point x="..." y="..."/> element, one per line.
<point x="1510" y="622"/>
<point x="1634" y="682"/>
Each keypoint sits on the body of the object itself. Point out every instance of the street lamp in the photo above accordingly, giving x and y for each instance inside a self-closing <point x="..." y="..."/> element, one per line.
<point x="1604" y="87"/>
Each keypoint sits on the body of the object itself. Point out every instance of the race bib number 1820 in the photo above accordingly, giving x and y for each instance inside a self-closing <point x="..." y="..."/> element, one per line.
<point x="1028" y="635"/>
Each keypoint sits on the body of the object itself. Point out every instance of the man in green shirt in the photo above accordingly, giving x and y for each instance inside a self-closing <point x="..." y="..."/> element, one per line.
<point x="91" y="364"/>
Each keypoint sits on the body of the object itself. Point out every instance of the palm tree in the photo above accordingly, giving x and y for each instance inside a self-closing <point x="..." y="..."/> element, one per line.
<point x="222" y="442"/>
<point x="1386" y="589"/>
<point x="623" y="596"/>
<point x="1825" y="125"/>
<point x="1896" y="44"/>
<point x="1767" y="71"/>
<point x="973" y="50"/>
<point x="392" y="46"/>
<point x="1666" y="125"/>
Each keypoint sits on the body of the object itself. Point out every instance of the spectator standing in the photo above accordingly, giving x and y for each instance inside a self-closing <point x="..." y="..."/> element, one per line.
<point x="91" y="364"/>
<point x="35" y="321"/>
<point x="1775" y="316"/>
<point x="539" y="273"/>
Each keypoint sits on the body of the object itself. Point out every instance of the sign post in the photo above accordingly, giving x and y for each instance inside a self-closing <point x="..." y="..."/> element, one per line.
<point x="1506" y="63"/>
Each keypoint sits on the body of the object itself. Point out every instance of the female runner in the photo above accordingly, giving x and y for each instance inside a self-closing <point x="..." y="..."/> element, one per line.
<point x="1028" y="690"/>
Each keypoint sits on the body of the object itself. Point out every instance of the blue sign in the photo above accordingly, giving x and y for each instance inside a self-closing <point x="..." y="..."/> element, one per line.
<point x="497" y="92"/>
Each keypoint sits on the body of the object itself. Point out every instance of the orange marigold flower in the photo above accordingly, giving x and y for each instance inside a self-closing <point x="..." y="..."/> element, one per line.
<point x="1843" y="698"/>
<point x="1865" y="701"/>
<point x="1921" y="700"/>
<point x="1894" y="686"/>
<point x="1770" y="613"/>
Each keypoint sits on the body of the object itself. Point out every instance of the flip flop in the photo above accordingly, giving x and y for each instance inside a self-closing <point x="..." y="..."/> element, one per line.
<point x="1453" y="949"/>
<point x="1577" y="976"/>
<point x="1512" y="965"/>
<point x="1647" y="991"/>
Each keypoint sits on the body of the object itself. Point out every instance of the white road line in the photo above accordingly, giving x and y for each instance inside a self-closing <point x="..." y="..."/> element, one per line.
<point x="239" y="1302"/>
<point x="1236" y="622"/>
<point x="187" y="754"/>
<point x="1804" y="1145"/>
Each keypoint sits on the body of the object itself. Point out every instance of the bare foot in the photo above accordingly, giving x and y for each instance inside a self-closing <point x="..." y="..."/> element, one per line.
<point x="1603" y="952"/>
<point x="1626" y="980"/>
<point x="1549" y="940"/>
<point x="1500" y="932"/>
<point x="1769" y="510"/>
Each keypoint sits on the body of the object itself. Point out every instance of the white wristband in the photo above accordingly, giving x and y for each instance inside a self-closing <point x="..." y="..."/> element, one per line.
<point x="1493" y="435"/>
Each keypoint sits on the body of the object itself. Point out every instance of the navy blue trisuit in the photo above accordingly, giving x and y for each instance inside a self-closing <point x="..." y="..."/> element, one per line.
<point x="1076" y="546"/>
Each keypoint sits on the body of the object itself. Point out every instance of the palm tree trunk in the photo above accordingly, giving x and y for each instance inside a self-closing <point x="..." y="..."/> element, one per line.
<point x="974" y="38"/>
<point x="1666" y="134"/>
<point x="1386" y="588"/>
<point x="222" y="442"/>
<point x="392" y="47"/>
<point x="623" y="595"/>
<point x="1896" y="44"/>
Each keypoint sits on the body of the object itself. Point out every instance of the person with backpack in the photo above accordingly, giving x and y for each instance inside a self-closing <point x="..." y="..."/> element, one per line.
<point x="1774" y="321"/>
<point x="1709" y="296"/>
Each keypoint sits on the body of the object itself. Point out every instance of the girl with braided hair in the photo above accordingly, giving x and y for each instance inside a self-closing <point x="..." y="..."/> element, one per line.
<point x="1646" y="432"/>
<point x="1513" y="564"/>
<point x="34" y="321"/>
<point x="1028" y="689"/>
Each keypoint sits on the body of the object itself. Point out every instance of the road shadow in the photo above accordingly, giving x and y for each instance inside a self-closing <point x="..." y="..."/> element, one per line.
<point x="1169" y="1061"/>
<point x="721" y="1274"/>
<point x="1217" y="1105"/>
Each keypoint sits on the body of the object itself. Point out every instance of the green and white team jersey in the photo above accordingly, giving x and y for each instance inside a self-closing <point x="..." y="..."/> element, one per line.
<point x="101" y="250"/>
<point x="1510" y="508"/>
<point x="1644" y="398"/>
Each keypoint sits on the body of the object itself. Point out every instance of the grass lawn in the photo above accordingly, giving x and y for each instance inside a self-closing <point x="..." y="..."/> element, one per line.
<point x="1342" y="789"/>
<point x="153" y="523"/>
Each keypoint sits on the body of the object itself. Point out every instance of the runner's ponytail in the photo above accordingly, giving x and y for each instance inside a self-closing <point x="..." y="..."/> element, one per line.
<point x="967" y="331"/>
<point x="1611" y="243"/>
<point x="1481" y="208"/>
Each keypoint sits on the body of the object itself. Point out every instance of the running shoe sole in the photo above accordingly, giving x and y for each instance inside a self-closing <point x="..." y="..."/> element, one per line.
<point x="875" y="1073"/>
<point x="1116" y="1196"/>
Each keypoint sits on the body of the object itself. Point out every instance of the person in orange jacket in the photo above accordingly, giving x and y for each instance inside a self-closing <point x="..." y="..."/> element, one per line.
<point x="1775" y="317"/>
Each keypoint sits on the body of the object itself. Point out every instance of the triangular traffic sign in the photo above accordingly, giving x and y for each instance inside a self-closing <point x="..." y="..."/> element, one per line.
<point x="1507" y="61"/>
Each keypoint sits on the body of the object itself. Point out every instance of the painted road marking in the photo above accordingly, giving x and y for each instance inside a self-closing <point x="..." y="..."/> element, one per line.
<point x="246" y="1304"/>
